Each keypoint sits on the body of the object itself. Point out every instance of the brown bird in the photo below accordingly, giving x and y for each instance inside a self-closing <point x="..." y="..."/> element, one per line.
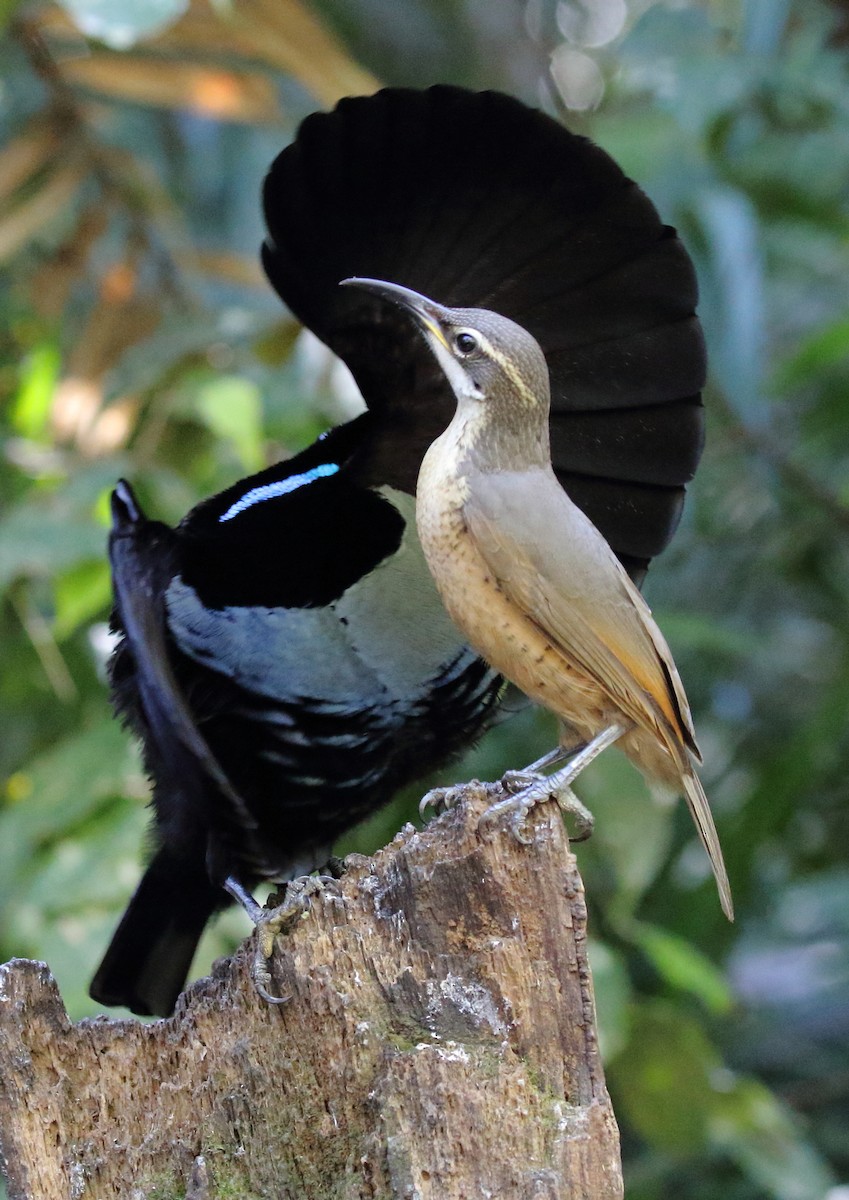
<point x="529" y="579"/>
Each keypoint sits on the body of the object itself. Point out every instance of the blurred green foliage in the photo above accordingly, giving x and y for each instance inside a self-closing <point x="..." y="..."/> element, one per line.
<point x="137" y="337"/>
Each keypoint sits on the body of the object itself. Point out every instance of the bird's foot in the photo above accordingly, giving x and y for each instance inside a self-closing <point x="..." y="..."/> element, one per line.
<point x="515" y="805"/>
<point x="270" y="924"/>
<point x="440" y="799"/>
<point x="530" y="788"/>
<point x="518" y="781"/>
<point x="582" y="819"/>
<point x="536" y="787"/>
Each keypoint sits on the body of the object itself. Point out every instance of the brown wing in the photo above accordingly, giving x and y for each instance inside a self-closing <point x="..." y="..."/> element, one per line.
<point x="552" y="562"/>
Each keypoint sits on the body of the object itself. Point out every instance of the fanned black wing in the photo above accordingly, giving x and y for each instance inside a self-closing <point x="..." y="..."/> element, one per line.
<point x="478" y="201"/>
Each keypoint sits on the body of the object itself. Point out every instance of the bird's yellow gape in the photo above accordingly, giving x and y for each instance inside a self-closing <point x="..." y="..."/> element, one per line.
<point x="529" y="579"/>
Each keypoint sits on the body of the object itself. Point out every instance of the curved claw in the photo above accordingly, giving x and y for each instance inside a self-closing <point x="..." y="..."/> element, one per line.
<point x="429" y="800"/>
<point x="328" y="884"/>
<point x="535" y="791"/>
<point x="262" y="980"/>
<point x="570" y="805"/>
<point x="517" y="827"/>
<point x="517" y="810"/>
<point x="296" y="904"/>
<point x="440" y="799"/>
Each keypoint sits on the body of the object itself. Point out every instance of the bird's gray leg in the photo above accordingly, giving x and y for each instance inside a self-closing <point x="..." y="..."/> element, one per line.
<point x="272" y="922"/>
<point x="557" y="785"/>
<point x="443" y="798"/>
<point x="527" y="777"/>
<point x="533" y="771"/>
<point x="243" y="897"/>
<point x="542" y="788"/>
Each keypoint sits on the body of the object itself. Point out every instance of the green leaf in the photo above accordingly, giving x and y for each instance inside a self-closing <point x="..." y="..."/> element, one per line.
<point x="827" y="347"/>
<point x="662" y="1080"/>
<point x="61" y="789"/>
<point x="41" y="540"/>
<point x="231" y="407"/>
<point x="612" y="988"/>
<point x="79" y="595"/>
<point x="675" y="1091"/>
<point x="699" y="633"/>
<point x="730" y="225"/>
<point x="758" y="1132"/>
<point x="7" y="10"/>
<point x="633" y="831"/>
<point x="68" y="905"/>
<point x="31" y="406"/>
<point x="682" y="965"/>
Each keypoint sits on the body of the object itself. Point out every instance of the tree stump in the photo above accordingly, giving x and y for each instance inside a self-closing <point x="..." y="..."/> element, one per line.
<point x="438" y="1043"/>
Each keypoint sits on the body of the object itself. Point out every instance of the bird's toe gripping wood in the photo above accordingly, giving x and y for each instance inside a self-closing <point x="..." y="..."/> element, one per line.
<point x="441" y="799"/>
<point x="533" y="789"/>
<point x="272" y="923"/>
<point x="536" y="788"/>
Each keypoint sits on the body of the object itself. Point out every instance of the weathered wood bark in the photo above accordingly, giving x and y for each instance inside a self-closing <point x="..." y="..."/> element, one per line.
<point x="439" y="1044"/>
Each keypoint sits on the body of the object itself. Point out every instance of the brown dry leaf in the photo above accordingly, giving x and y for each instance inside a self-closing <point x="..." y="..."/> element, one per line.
<point x="282" y="33"/>
<point x="53" y="21"/>
<point x="206" y="33"/>
<point x="275" y="345"/>
<point x="76" y="403"/>
<point x="24" y="221"/>
<point x="234" y="268"/>
<point x="211" y="91"/>
<point x="52" y="282"/>
<point x="112" y="327"/>
<point x="118" y="320"/>
<point x="27" y="154"/>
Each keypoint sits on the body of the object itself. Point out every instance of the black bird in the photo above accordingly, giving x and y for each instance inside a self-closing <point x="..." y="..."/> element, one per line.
<point x="284" y="656"/>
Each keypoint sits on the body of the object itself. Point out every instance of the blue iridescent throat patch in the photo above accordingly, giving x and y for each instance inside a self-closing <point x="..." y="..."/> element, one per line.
<point x="270" y="491"/>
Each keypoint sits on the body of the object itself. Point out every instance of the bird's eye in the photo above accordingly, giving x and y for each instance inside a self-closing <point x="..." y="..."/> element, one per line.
<point x="465" y="343"/>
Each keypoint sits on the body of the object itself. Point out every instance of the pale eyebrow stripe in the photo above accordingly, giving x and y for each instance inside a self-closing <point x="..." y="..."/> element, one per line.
<point x="270" y="491"/>
<point x="509" y="370"/>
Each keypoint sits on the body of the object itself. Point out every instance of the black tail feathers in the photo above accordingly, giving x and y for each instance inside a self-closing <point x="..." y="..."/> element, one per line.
<point x="149" y="957"/>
